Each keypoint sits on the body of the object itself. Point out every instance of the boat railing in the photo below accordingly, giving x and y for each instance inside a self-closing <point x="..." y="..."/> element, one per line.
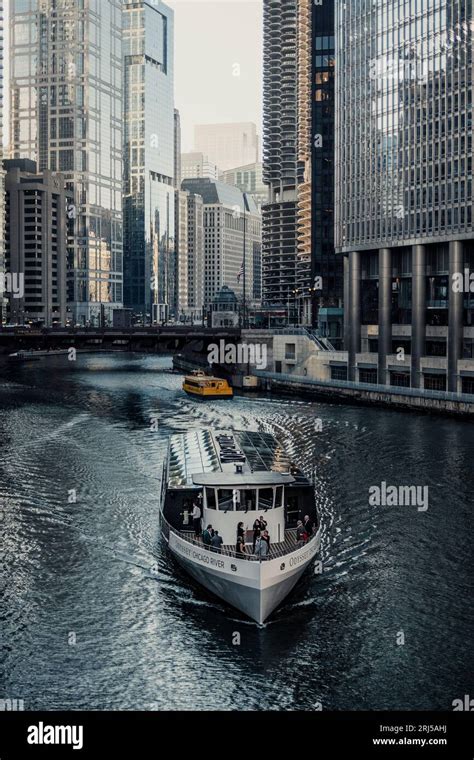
<point x="276" y="550"/>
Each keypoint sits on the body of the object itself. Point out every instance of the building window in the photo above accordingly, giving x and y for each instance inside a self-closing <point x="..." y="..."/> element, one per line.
<point x="435" y="348"/>
<point x="468" y="349"/>
<point x="400" y="379"/>
<point x="368" y="376"/>
<point x="468" y="385"/>
<point x="338" y="373"/>
<point x="373" y="346"/>
<point x="434" y="382"/>
<point x="290" y="351"/>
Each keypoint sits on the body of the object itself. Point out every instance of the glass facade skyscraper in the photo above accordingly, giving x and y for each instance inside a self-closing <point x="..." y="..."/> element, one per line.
<point x="316" y="133"/>
<point x="404" y="189"/>
<point x="66" y="114"/>
<point x="149" y="156"/>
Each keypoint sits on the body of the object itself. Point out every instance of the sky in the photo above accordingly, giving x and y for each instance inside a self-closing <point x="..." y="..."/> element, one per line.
<point x="218" y="63"/>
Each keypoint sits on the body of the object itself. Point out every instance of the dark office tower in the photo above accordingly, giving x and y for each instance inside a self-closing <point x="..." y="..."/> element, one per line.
<point x="181" y="226"/>
<point x="2" y="179"/>
<point x="66" y="114"/>
<point x="319" y="270"/>
<point x="149" y="159"/>
<point x="404" y="190"/>
<point x="279" y="240"/>
<point x="177" y="149"/>
<point x="36" y="242"/>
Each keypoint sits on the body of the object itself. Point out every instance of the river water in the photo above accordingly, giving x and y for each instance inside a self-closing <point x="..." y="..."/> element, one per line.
<point x="85" y="622"/>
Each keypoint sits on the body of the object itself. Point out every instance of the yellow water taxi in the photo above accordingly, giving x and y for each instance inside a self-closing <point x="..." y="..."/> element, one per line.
<point x="200" y="385"/>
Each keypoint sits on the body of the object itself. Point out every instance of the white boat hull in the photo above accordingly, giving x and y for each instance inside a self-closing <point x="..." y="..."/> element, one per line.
<point x="255" y="588"/>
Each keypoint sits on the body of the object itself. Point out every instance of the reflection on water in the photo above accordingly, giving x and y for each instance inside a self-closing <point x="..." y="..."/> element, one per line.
<point x="96" y="615"/>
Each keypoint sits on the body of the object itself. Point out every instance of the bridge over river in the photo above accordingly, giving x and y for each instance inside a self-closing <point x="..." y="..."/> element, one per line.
<point x="168" y="338"/>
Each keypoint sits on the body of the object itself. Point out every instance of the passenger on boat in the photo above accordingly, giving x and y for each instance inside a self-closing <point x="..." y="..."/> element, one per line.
<point x="308" y="525"/>
<point x="301" y="535"/>
<point x="261" y="547"/>
<point x="258" y="528"/>
<point x="240" y="546"/>
<point x="240" y="530"/>
<point x="207" y="536"/>
<point x="216" y="542"/>
<point x="266" y="537"/>
<point x="197" y="519"/>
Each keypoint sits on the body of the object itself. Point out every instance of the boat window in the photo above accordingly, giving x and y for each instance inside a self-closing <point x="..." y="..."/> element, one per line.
<point x="226" y="500"/>
<point x="211" y="498"/>
<point x="250" y="499"/>
<point x="292" y="506"/>
<point x="240" y="500"/>
<point x="279" y="497"/>
<point x="265" y="498"/>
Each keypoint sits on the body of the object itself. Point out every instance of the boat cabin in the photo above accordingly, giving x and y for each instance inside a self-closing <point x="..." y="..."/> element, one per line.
<point x="234" y="477"/>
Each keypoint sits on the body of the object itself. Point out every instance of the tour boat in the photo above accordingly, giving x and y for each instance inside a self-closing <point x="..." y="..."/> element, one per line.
<point x="24" y="356"/>
<point x="236" y="477"/>
<point x="202" y="386"/>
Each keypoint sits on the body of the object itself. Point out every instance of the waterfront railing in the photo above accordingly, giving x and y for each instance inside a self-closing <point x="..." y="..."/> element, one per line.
<point x="276" y="550"/>
<point x="393" y="390"/>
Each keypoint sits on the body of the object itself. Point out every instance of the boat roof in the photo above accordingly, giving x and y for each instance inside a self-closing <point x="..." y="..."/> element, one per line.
<point x="204" y="377"/>
<point x="233" y="480"/>
<point x="211" y="457"/>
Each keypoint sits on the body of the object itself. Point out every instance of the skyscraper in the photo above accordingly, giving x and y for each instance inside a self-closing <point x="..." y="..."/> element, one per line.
<point x="181" y="209"/>
<point x="36" y="244"/>
<point x="319" y="270"/>
<point x="404" y="190"/>
<point x="66" y="114"/>
<point x="181" y="224"/>
<point x="227" y="145"/>
<point x="279" y="237"/>
<point x="232" y="225"/>
<point x="190" y="234"/>
<point x="177" y="149"/>
<point x="149" y="155"/>
<point x="249" y="179"/>
<point x="195" y="267"/>
<point x="2" y="179"/>
<point x="196" y="164"/>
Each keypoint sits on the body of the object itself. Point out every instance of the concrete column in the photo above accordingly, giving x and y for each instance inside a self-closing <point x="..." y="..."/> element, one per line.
<point x="418" y="312"/>
<point x="354" y="311"/>
<point x="456" y="305"/>
<point x="385" y="312"/>
<point x="346" y="304"/>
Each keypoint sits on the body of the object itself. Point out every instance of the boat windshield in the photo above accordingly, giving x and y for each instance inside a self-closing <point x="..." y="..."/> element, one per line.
<point x="244" y="499"/>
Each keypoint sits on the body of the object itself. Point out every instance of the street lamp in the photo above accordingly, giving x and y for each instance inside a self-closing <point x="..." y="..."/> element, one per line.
<point x="297" y="298"/>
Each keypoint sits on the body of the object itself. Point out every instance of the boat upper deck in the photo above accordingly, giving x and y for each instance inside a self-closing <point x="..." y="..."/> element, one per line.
<point x="195" y="457"/>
